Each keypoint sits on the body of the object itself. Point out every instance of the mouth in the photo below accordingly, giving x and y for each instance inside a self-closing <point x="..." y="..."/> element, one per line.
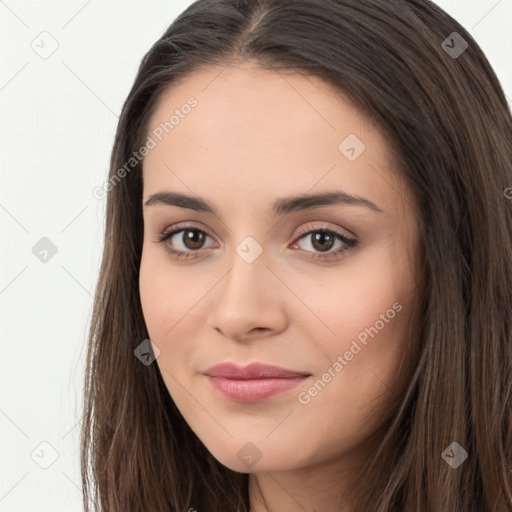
<point x="254" y="382"/>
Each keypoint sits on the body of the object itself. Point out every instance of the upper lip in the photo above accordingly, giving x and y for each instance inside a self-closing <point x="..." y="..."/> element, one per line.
<point x="252" y="371"/>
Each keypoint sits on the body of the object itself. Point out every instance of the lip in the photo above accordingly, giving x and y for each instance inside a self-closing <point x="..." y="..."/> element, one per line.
<point x="252" y="371"/>
<point x="254" y="382"/>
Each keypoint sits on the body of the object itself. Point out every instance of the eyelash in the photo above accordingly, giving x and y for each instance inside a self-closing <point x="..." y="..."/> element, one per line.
<point x="350" y="243"/>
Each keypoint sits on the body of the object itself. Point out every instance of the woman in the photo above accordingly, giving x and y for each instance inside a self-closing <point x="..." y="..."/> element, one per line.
<point x="305" y="297"/>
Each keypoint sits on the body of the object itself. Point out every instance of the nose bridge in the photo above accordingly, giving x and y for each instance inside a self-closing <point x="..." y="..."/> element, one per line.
<point x="249" y="272"/>
<point x="246" y="297"/>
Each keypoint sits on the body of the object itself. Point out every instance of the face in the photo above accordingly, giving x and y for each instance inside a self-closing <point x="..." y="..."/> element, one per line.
<point x="324" y="288"/>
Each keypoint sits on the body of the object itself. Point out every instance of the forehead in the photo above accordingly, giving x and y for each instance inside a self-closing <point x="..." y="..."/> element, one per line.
<point x="263" y="132"/>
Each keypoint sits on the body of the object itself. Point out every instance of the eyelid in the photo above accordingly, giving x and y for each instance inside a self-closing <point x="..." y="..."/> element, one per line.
<point x="303" y="230"/>
<point x="182" y="226"/>
<point x="308" y="229"/>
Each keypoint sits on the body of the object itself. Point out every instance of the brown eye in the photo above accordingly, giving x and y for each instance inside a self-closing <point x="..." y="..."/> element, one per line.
<point x="193" y="239"/>
<point x="184" y="242"/>
<point x="188" y="242"/>
<point x="322" y="240"/>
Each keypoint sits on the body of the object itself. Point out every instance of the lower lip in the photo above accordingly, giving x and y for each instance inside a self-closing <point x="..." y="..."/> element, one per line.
<point x="253" y="390"/>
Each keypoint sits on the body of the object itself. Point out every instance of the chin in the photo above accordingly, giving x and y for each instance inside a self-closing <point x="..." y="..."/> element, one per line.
<point x="249" y="457"/>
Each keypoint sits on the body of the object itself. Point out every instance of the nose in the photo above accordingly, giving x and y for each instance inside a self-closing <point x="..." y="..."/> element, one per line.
<point x="249" y="299"/>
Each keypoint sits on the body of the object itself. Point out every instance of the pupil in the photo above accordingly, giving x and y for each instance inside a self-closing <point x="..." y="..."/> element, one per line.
<point x="195" y="237"/>
<point x="321" y="237"/>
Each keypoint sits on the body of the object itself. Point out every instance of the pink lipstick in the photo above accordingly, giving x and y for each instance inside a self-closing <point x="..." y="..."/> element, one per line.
<point x="254" y="382"/>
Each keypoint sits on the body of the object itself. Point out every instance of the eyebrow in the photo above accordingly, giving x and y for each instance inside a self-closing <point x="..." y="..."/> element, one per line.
<point x="281" y="206"/>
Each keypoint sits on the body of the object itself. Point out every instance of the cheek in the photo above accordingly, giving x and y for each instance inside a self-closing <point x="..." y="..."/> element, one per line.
<point x="168" y="293"/>
<point x="152" y="288"/>
<point x="370" y="316"/>
<point x="171" y="299"/>
<point x="354" y="299"/>
<point x="368" y="310"/>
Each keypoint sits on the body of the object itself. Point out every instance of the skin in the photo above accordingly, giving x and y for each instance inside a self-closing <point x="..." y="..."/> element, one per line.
<point x="256" y="136"/>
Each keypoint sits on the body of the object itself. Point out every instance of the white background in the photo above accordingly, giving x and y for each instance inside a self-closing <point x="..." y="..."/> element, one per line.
<point x="58" y="119"/>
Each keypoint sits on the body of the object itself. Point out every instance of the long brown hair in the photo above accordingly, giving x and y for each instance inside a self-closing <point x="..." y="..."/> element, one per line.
<point x="444" y="111"/>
